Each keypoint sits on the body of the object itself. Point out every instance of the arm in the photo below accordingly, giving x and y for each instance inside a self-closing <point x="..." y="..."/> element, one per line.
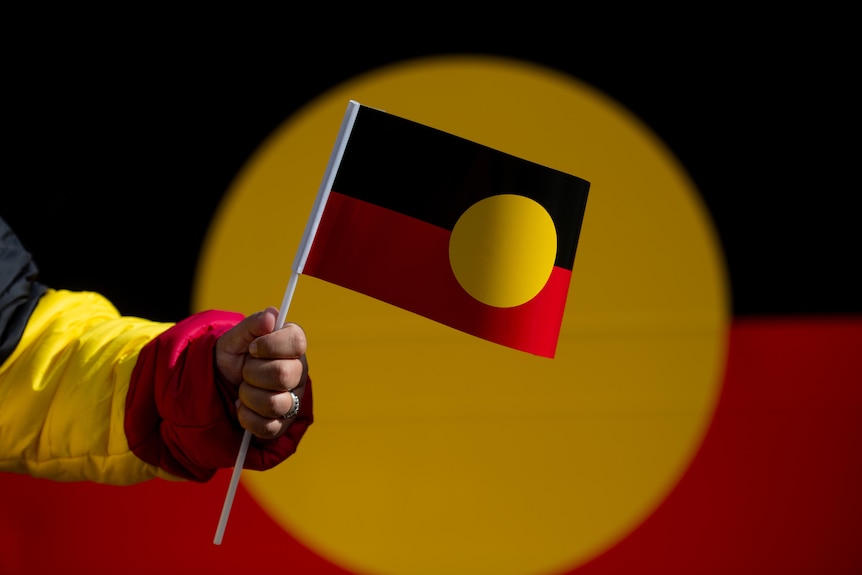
<point x="88" y="394"/>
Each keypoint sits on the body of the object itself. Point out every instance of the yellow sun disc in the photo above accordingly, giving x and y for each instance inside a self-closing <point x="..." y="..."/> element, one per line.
<point x="502" y="249"/>
<point x="433" y="451"/>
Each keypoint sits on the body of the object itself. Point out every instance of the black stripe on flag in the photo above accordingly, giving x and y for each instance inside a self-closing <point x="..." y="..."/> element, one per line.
<point x="435" y="176"/>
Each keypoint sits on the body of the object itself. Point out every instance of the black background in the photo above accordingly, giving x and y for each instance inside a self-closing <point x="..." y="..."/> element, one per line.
<point x="120" y="137"/>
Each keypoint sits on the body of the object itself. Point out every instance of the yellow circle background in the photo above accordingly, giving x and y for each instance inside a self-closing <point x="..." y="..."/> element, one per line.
<point x="502" y="249"/>
<point x="437" y="452"/>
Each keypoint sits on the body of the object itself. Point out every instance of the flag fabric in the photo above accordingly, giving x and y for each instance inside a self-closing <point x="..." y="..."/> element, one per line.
<point x="455" y="231"/>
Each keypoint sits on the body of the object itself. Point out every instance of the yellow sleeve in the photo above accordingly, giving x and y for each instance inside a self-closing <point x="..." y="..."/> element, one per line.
<point x="63" y="392"/>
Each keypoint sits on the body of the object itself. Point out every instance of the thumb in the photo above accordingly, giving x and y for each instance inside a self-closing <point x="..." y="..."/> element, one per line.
<point x="236" y="340"/>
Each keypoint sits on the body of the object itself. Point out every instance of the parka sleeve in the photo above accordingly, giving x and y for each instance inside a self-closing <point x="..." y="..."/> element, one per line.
<point x="181" y="414"/>
<point x="91" y="395"/>
<point x="88" y="394"/>
<point x="63" y="391"/>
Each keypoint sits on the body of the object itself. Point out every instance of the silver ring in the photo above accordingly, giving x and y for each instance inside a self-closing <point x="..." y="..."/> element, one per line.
<point x="294" y="409"/>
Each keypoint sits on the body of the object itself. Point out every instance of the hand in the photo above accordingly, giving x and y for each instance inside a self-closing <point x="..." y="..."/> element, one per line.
<point x="266" y="366"/>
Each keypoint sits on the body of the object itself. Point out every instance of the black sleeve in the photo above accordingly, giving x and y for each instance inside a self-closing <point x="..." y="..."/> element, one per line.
<point x="19" y="289"/>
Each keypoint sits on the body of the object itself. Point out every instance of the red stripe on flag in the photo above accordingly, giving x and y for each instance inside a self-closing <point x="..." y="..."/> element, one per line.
<point x="405" y="262"/>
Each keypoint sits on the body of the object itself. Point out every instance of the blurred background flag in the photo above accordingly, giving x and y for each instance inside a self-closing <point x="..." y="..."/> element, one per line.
<point x="460" y="233"/>
<point x="773" y="487"/>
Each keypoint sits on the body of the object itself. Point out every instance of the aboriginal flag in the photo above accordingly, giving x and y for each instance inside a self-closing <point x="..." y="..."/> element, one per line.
<point x="460" y="233"/>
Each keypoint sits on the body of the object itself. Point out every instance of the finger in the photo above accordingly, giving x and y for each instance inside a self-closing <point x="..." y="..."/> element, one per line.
<point x="277" y="375"/>
<point x="269" y="403"/>
<point x="263" y="427"/>
<point x="289" y="341"/>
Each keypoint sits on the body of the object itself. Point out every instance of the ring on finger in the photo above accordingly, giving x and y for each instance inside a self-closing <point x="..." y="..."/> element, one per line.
<point x="294" y="409"/>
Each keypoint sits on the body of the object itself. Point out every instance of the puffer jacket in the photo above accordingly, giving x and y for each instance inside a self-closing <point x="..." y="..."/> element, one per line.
<point x="87" y="394"/>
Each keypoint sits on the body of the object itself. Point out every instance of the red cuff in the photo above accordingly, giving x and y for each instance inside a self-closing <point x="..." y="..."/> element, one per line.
<point x="180" y="413"/>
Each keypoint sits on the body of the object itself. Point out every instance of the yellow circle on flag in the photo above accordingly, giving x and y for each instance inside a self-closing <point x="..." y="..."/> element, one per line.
<point x="433" y="451"/>
<point x="502" y="249"/>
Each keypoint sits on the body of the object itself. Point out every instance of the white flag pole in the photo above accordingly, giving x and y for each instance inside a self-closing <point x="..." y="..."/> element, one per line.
<point x="246" y="438"/>
<point x="298" y="266"/>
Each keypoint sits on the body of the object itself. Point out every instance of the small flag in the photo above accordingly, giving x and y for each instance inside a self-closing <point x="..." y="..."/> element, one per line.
<point x="457" y="232"/>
